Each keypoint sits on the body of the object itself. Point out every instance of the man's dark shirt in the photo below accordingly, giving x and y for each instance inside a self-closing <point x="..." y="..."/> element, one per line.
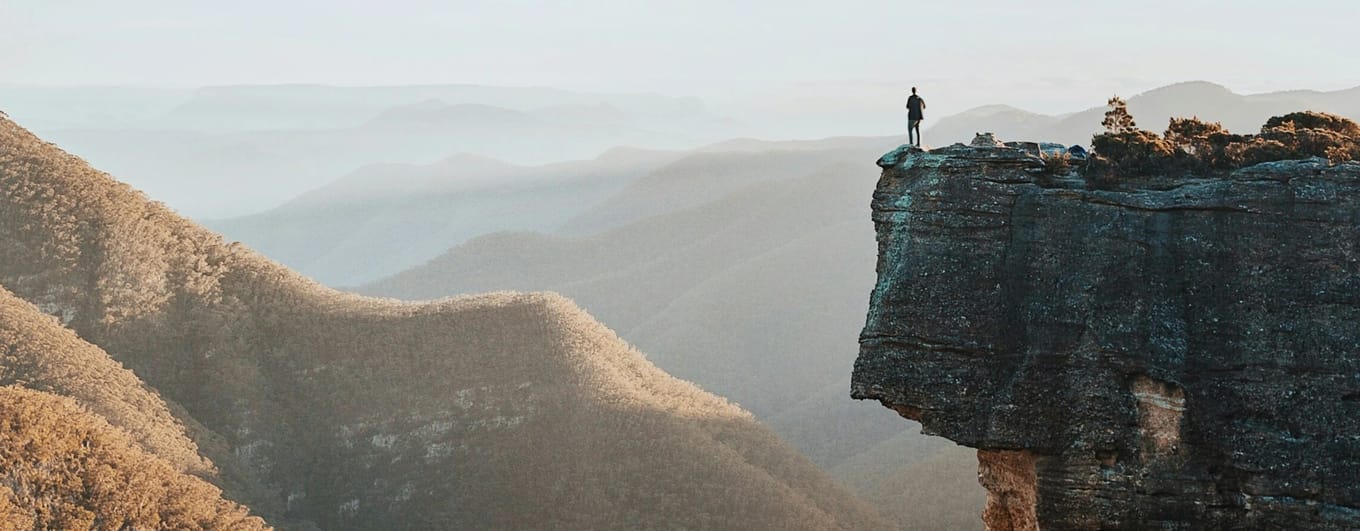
<point x="914" y="108"/>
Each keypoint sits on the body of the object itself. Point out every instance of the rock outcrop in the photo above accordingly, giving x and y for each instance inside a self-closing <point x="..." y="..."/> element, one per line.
<point x="1178" y="355"/>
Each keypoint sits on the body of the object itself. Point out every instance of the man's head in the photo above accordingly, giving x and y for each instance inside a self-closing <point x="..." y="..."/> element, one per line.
<point x="913" y="90"/>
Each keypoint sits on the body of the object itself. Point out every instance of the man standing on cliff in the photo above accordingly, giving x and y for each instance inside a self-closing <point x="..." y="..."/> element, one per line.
<point x="915" y="113"/>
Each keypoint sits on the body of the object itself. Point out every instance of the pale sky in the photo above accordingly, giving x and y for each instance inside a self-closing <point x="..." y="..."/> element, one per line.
<point x="1036" y="50"/>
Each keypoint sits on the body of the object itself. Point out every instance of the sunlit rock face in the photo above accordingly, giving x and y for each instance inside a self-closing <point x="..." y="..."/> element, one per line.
<point x="1179" y="355"/>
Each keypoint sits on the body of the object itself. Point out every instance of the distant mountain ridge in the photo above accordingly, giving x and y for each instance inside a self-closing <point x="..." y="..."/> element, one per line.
<point x="383" y="219"/>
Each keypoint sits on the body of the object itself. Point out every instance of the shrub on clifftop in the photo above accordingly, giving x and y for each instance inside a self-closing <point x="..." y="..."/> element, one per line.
<point x="1136" y="152"/>
<point x="1204" y="145"/>
<point x="1315" y="120"/>
<point x="1306" y="134"/>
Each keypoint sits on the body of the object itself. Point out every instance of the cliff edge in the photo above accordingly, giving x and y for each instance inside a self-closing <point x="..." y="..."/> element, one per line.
<point x="1177" y="355"/>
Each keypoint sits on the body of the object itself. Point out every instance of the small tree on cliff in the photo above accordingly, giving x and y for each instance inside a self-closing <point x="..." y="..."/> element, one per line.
<point x="1117" y="119"/>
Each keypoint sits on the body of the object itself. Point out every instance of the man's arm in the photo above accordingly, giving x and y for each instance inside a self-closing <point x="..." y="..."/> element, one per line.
<point x="923" y="103"/>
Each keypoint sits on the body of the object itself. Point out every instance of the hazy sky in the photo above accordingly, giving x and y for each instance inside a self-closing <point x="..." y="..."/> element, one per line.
<point x="1038" y="52"/>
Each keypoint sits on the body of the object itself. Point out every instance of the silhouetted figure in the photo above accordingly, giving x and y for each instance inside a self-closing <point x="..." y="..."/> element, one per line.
<point x="915" y="113"/>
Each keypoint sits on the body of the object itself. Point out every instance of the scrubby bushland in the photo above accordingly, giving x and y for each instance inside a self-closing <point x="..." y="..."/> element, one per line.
<point x="37" y="353"/>
<point x="1315" y="120"/>
<point x="62" y="467"/>
<point x="1193" y="146"/>
<point x="1306" y="134"/>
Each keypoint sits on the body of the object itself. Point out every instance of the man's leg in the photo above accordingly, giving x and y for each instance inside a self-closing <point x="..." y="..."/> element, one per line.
<point x="911" y="126"/>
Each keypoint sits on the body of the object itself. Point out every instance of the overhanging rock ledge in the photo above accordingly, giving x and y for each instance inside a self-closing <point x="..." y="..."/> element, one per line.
<point x="1179" y="356"/>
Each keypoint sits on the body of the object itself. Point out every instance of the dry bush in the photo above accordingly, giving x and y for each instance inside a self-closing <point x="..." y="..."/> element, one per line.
<point x="37" y="353"/>
<point x="1315" y="120"/>
<point x="64" y="468"/>
<point x="1135" y="153"/>
<point x="1204" y="146"/>
<point x="1056" y="163"/>
<point x="1340" y="154"/>
<point x="1192" y="134"/>
<point x="1307" y="134"/>
<point x="1255" y="150"/>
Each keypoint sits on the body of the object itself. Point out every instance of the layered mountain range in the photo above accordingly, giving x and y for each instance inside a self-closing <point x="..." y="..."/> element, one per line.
<point x="317" y="408"/>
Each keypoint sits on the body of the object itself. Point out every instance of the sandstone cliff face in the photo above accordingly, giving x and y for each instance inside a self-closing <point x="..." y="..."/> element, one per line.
<point x="1179" y="356"/>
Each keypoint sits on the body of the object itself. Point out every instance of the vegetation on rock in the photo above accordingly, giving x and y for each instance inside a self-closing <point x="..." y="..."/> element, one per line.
<point x="1056" y="163"/>
<point x="1196" y="147"/>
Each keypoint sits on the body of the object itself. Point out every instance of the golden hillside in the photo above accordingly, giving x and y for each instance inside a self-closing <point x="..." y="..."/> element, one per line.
<point x="37" y="353"/>
<point x="501" y="410"/>
<point x="62" y="467"/>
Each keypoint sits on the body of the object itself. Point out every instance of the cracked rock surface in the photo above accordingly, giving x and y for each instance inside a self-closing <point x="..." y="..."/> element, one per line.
<point x="1179" y="353"/>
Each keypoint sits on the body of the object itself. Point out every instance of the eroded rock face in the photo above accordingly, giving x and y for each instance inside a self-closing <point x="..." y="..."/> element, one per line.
<point x="1180" y="357"/>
